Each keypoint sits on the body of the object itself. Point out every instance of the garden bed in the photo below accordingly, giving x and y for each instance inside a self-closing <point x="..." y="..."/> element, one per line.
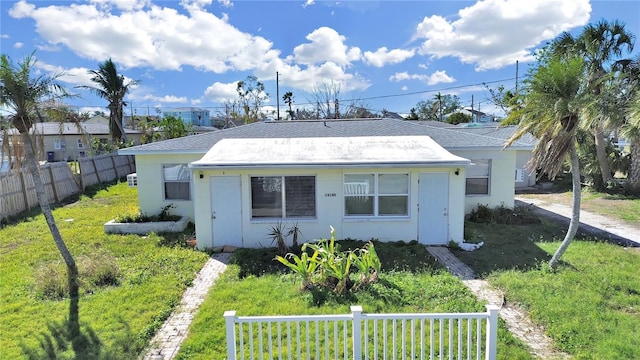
<point x="141" y="228"/>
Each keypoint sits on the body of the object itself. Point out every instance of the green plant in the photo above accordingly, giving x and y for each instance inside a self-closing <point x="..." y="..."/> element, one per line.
<point x="164" y="215"/>
<point x="277" y="235"/>
<point x="294" y="231"/>
<point x="331" y="268"/>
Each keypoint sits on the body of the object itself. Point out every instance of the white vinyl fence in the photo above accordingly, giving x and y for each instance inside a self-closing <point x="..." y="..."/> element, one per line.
<point x="363" y="336"/>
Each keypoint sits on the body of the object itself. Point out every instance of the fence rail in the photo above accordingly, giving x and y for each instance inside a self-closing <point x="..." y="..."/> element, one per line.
<point x="18" y="193"/>
<point x="363" y="336"/>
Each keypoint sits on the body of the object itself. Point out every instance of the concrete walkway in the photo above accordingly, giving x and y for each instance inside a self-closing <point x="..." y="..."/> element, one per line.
<point x="516" y="319"/>
<point x="167" y="342"/>
<point x="598" y="225"/>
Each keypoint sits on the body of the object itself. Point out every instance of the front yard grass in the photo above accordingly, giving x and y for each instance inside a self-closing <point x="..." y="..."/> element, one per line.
<point x="590" y="306"/>
<point x="117" y="321"/>
<point x="254" y="284"/>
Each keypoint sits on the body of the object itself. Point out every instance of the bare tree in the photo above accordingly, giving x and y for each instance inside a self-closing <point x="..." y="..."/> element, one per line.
<point x="251" y="97"/>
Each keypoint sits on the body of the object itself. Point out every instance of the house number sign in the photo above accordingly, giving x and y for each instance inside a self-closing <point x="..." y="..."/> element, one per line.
<point x="329" y="194"/>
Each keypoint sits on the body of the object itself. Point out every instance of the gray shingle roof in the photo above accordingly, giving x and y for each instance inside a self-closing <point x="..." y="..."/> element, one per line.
<point x="449" y="138"/>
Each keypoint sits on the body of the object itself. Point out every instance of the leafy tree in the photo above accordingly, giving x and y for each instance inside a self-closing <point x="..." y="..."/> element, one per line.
<point x="458" y="118"/>
<point x="171" y="128"/>
<point x="112" y="87"/>
<point x="552" y="112"/>
<point x="599" y="44"/>
<point x="21" y="92"/>
<point x="288" y="99"/>
<point x="251" y="96"/>
<point x="413" y="115"/>
<point x="432" y="109"/>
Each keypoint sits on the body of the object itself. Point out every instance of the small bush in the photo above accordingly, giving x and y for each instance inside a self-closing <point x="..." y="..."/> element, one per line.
<point x="164" y="215"/>
<point x="519" y="215"/>
<point x="95" y="271"/>
<point x="51" y="281"/>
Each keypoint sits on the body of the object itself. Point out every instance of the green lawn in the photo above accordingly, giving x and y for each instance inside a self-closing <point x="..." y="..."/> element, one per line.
<point x="117" y="321"/>
<point x="410" y="282"/>
<point x="590" y="306"/>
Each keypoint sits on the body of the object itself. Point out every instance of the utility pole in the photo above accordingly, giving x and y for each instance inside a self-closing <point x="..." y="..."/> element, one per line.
<point x="472" y="112"/>
<point x="516" y="78"/>
<point x="278" y="95"/>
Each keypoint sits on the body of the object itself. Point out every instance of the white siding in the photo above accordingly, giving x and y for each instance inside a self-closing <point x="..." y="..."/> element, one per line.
<point x="502" y="173"/>
<point x="330" y="208"/>
<point x="151" y="186"/>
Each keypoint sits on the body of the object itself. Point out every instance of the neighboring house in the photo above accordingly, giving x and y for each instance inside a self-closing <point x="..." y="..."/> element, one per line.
<point x="191" y="115"/>
<point x="69" y="141"/>
<point x="476" y="115"/>
<point x="371" y="178"/>
<point x="97" y="119"/>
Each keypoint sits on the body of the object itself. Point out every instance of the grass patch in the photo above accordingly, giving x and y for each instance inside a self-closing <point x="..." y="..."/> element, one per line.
<point x="590" y="306"/>
<point x="254" y="284"/>
<point x="130" y="283"/>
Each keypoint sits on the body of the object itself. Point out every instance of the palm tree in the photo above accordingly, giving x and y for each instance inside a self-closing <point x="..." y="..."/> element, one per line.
<point x="599" y="45"/>
<point x="631" y="130"/>
<point x="21" y="93"/>
<point x="552" y="112"/>
<point x="112" y="87"/>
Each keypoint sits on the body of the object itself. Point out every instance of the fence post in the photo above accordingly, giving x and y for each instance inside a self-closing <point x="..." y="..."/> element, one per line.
<point x="56" y="197"/>
<point x="492" y="331"/>
<point x="356" y="312"/>
<point x="229" y="318"/>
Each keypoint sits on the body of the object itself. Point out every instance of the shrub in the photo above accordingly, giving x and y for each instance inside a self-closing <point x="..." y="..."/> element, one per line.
<point x="94" y="271"/>
<point x="164" y="215"/>
<point x="328" y="267"/>
<point x="519" y="215"/>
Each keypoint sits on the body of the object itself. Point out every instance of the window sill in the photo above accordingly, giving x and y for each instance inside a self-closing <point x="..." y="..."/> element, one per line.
<point x="375" y="218"/>
<point x="286" y="220"/>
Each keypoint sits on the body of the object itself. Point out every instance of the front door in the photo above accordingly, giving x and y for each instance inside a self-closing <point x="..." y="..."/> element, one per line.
<point x="226" y="210"/>
<point x="433" y="208"/>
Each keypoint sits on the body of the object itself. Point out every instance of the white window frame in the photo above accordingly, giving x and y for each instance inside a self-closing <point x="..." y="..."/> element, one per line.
<point x="57" y="144"/>
<point x="184" y="170"/>
<point x="283" y="200"/>
<point x="364" y="190"/>
<point x="475" y="162"/>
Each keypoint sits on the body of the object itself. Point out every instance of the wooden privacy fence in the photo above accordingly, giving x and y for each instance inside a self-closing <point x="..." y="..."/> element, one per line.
<point x="105" y="168"/>
<point x="363" y="336"/>
<point x="18" y="193"/>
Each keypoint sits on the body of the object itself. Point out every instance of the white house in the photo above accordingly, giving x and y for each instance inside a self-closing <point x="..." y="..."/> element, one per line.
<point x="368" y="178"/>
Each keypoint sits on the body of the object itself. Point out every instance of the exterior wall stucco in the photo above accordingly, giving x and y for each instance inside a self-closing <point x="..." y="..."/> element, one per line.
<point x="522" y="159"/>
<point x="501" y="185"/>
<point x="330" y="208"/>
<point x="151" y="186"/>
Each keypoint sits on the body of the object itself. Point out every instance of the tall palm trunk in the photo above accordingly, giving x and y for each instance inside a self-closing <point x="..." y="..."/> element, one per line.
<point x="43" y="201"/>
<point x="601" y="154"/>
<point x="633" y="178"/>
<point x="575" y="213"/>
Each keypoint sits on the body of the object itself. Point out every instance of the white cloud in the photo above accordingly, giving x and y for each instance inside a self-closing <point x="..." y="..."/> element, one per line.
<point x="18" y="45"/>
<point x="437" y="77"/>
<point x="384" y="56"/>
<point x="308" y="3"/>
<point x="4" y="36"/>
<point x="161" y="99"/>
<point x="325" y="45"/>
<point x="225" y="3"/>
<point x="495" y="33"/>
<point x="144" y="34"/>
<point x="221" y="92"/>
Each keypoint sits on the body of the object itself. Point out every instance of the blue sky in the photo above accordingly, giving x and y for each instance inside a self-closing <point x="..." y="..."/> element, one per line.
<point x="381" y="54"/>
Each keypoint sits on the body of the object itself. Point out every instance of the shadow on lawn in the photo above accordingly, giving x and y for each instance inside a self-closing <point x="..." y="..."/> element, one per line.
<point x="69" y="339"/>
<point x="510" y="247"/>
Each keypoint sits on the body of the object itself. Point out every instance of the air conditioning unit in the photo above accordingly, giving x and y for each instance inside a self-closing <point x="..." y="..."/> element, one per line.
<point x="132" y="180"/>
